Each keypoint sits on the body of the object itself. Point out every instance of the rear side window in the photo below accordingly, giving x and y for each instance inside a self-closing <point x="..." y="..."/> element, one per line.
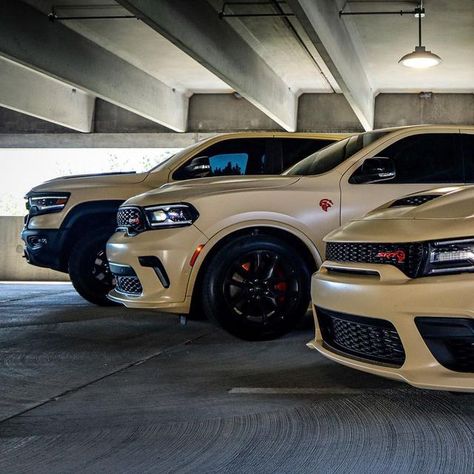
<point x="426" y="158"/>
<point x="228" y="164"/>
<point x="227" y="158"/>
<point x="467" y="145"/>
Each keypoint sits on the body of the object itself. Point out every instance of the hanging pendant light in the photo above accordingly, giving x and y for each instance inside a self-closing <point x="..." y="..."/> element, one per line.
<point x="420" y="58"/>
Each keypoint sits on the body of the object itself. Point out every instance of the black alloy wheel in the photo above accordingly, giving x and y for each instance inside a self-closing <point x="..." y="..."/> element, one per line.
<point x="261" y="286"/>
<point x="89" y="269"/>
<point x="256" y="287"/>
<point x="101" y="270"/>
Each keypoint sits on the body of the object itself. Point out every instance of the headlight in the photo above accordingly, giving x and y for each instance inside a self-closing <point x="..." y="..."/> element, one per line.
<point x="45" y="204"/>
<point x="453" y="256"/>
<point x="171" y="215"/>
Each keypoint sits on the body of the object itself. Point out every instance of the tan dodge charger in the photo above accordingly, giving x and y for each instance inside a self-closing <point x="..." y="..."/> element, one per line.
<point x="395" y="296"/>
<point x="244" y="249"/>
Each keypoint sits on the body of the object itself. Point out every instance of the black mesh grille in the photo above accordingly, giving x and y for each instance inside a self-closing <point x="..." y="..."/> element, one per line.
<point x="130" y="218"/>
<point x="373" y="339"/>
<point x="407" y="257"/>
<point x="129" y="284"/>
<point x="414" y="200"/>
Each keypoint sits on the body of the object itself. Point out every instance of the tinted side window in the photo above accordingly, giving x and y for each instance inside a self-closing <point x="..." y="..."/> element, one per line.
<point x="229" y="158"/>
<point x="295" y="149"/>
<point x="467" y="143"/>
<point x="427" y="158"/>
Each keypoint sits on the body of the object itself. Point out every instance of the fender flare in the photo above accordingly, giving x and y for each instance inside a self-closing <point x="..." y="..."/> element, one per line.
<point x="227" y="231"/>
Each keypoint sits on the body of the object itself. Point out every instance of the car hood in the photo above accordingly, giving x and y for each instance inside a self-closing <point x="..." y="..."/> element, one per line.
<point x="196" y="188"/>
<point x="69" y="183"/>
<point x="453" y="202"/>
<point x="448" y="214"/>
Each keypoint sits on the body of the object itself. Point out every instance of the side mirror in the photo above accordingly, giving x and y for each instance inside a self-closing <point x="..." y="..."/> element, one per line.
<point x="374" y="170"/>
<point x="199" y="167"/>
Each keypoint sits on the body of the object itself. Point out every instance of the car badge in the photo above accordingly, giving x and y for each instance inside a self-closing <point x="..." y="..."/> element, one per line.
<point x="325" y="204"/>
<point x="400" y="255"/>
<point x="134" y="221"/>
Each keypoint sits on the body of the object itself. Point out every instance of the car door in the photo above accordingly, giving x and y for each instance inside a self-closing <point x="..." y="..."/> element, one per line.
<point x="423" y="160"/>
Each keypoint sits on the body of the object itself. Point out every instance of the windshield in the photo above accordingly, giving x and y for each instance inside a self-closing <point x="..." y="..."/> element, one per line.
<point x="176" y="156"/>
<point x="161" y="163"/>
<point x="333" y="155"/>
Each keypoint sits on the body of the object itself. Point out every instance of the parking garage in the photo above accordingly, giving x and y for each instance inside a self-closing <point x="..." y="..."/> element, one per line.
<point x="181" y="345"/>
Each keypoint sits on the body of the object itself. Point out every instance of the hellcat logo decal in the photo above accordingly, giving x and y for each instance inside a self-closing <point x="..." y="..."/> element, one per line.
<point x="325" y="204"/>
<point x="398" y="254"/>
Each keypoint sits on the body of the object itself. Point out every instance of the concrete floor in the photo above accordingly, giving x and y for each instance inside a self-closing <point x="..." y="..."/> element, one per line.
<point x="87" y="389"/>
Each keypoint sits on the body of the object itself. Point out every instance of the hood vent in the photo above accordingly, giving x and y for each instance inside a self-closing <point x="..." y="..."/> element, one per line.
<point x="415" y="200"/>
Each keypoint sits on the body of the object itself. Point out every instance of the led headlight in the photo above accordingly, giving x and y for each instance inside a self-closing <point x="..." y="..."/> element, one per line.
<point x="453" y="256"/>
<point x="171" y="215"/>
<point x="46" y="203"/>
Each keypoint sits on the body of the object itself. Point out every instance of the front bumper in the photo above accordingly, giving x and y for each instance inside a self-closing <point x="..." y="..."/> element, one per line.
<point x="387" y="295"/>
<point x="43" y="247"/>
<point x="165" y="287"/>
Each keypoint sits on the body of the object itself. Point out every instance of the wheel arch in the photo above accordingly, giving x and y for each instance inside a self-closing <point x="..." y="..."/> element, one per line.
<point x="293" y="236"/>
<point x="84" y="217"/>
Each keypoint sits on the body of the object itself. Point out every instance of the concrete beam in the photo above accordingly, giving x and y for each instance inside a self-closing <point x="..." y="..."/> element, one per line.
<point x="326" y="113"/>
<point x="226" y="113"/>
<point x="27" y="37"/>
<point x="37" y="95"/>
<point x="394" y="110"/>
<point x="100" y="140"/>
<point x="332" y="40"/>
<point x="197" y="30"/>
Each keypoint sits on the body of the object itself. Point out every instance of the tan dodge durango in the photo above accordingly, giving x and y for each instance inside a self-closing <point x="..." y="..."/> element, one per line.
<point x="244" y="249"/>
<point x="395" y="298"/>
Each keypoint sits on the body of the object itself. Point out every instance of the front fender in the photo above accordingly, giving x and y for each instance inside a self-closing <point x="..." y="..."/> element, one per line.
<point x="242" y="226"/>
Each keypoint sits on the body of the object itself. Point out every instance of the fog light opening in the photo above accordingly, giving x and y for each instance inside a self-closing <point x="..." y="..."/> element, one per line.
<point x="37" y="242"/>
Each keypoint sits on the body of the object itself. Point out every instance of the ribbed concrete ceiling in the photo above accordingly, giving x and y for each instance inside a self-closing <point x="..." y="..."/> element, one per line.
<point x="448" y="30"/>
<point x="313" y="51"/>
<point x="139" y="45"/>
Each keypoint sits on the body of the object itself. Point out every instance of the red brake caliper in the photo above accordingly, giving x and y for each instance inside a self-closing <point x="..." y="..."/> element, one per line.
<point x="281" y="287"/>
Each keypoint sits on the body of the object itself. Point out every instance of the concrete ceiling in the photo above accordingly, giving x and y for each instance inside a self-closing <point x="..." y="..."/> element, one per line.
<point x="448" y="31"/>
<point x="137" y="44"/>
<point x="268" y="60"/>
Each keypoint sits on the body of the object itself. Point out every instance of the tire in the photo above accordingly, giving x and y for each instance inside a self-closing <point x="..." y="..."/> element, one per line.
<point x="256" y="287"/>
<point x="89" y="269"/>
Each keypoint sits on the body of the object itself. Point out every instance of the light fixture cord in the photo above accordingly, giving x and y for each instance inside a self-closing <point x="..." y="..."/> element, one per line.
<point x="419" y="28"/>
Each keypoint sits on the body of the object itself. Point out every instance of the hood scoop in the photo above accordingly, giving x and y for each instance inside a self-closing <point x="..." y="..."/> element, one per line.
<point x="417" y="200"/>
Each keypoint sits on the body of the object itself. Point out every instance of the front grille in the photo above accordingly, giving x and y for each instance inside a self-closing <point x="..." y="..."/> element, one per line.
<point x="126" y="280"/>
<point x="450" y="340"/>
<point x="407" y="257"/>
<point x="128" y="284"/>
<point x="371" y="339"/>
<point x="130" y="219"/>
<point x="414" y="200"/>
